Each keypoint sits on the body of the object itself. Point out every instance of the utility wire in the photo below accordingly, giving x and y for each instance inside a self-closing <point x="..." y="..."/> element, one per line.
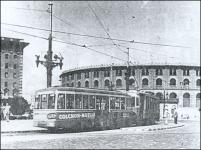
<point x="92" y="36"/>
<point x="100" y="22"/>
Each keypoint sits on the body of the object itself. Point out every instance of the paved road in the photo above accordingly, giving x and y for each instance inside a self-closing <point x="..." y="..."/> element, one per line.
<point x="187" y="137"/>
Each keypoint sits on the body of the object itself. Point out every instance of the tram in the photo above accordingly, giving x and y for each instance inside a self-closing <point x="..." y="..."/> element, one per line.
<point x="77" y="109"/>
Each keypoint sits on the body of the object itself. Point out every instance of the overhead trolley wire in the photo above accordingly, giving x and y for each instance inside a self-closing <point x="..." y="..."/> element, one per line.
<point x="93" y="36"/>
<point x="100" y="22"/>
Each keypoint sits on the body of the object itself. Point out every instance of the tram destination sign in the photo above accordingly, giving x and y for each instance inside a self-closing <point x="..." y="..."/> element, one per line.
<point x="64" y="116"/>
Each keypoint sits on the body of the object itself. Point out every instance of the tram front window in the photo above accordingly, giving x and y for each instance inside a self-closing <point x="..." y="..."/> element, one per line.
<point x="51" y="101"/>
<point x="122" y="103"/>
<point x="85" y="102"/>
<point x="37" y="102"/>
<point x="44" y="101"/>
<point x="61" y="101"/>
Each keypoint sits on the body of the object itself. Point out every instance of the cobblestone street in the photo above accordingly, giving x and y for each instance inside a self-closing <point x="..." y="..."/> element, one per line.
<point x="187" y="137"/>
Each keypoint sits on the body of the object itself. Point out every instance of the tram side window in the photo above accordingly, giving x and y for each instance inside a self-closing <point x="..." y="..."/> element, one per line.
<point x="117" y="103"/>
<point x="122" y="103"/>
<point x="69" y="101"/>
<point x="105" y="103"/>
<point x="85" y="102"/>
<point x="51" y="101"/>
<point x="78" y="101"/>
<point x="44" y="102"/>
<point x="92" y="101"/>
<point x="98" y="102"/>
<point x="133" y="102"/>
<point x="37" y="102"/>
<point x="137" y="101"/>
<point x="61" y="101"/>
<point x="128" y="103"/>
<point x="112" y="102"/>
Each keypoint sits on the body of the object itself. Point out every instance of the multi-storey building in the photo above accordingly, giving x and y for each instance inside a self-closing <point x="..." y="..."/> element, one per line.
<point x="11" y="66"/>
<point x="177" y="85"/>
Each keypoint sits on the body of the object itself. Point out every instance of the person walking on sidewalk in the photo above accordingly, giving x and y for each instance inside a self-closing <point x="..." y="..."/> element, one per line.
<point x="2" y="111"/>
<point x="175" y="117"/>
<point x="7" y="112"/>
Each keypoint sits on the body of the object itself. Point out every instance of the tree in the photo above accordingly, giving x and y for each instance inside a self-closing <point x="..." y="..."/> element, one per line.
<point x="18" y="105"/>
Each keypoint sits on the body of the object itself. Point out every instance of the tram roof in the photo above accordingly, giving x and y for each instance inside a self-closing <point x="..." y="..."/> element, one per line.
<point x="87" y="90"/>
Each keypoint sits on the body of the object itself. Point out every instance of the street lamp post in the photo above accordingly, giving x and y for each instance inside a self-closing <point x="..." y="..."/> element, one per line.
<point x="49" y="63"/>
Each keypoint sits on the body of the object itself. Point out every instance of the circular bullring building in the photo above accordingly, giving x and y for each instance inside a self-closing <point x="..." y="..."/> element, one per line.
<point x="177" y="86"/>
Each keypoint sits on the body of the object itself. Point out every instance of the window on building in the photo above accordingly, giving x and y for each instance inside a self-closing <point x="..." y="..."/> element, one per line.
<point x="145" y="82"/>
<point x="107" y="82"/>
<point x="145" y="72"/>
<point x="72" y="76"/>
<point x="159" y="95"/>
<point x="87" y="84"/>
<point x="159" y="82"/>
<point x="96" y="83"/>
<point x="106" y="73"/>
<point x="172" y="82"/>
<point x="119" y="72"/>
<point x="6" y="56"/>
<point x="14" y="75"/>
<point x="5" y="84"/>
<point x="15" y="56"/>
<point x="173" y="72"/>
<point x="15" y="92"/>
<point x="197" y="72"/>
<point x="79" y="76"/>
<point x="131" y="81"/>
<point x="86" y="75"/>
<point x="186" y="100"/>
<point x="6" y="74"/>
<point x="186" y="82"/>
<point x="173" y="95"/>
<point x="79" y="84"/>
<point x="132" y="72"/>
<point x="6" y="92"/>
<point x="6" y="65"/>
<point x="14" y="84"/>
<point x="15" y="66"/>
<point x="72" y="84"/>
<point x="198" y="100"/>
<point x="118" y="83"/>
<point x="96" y="74"/>
<point x="186" y="72"/>
<point x="159" y="72"/>
<point x="198" y="82"/>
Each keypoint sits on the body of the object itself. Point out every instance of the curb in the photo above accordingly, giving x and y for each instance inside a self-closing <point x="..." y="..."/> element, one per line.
<point x="27" y="131"/>
<point x="164" y="128"/>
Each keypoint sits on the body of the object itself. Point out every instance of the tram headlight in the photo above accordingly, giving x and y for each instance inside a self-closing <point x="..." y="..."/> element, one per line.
<point x="51" y="124"/>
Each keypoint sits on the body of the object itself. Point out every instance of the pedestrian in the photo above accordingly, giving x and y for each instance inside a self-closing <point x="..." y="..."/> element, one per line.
<point x="175" y="117"/>
<point x="7" y="112"/>
<point x="2" y="111"/>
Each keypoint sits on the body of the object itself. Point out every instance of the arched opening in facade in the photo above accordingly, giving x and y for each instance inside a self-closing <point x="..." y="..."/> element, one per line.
<point x="96" y="83"/>
<point x="87" y="84"/>
<point x="172" y="82"/>
<point x="78" y="84"/>
<point x="145" y="82"/>
<point x="186" y="100"/>
<point x="15" y="92"/>
<point x="107" y="82"/>
<point x="173" y="95"/>
<point x="198" y="82"/>
<point x="186" y="82"/>
<point x="159" y="95"/>
<point x="118" y="83"/>
<point x="198" y="100"/>
<point x="131" y="81"/>
<point x="159" y="82"/>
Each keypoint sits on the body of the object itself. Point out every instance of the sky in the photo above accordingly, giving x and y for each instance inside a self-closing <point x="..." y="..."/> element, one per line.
<point x="160" y="22"/>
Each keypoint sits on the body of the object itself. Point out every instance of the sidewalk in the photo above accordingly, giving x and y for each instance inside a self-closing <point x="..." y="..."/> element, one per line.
<point x="27" y="126"/>
<point x="18" y="126"/>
